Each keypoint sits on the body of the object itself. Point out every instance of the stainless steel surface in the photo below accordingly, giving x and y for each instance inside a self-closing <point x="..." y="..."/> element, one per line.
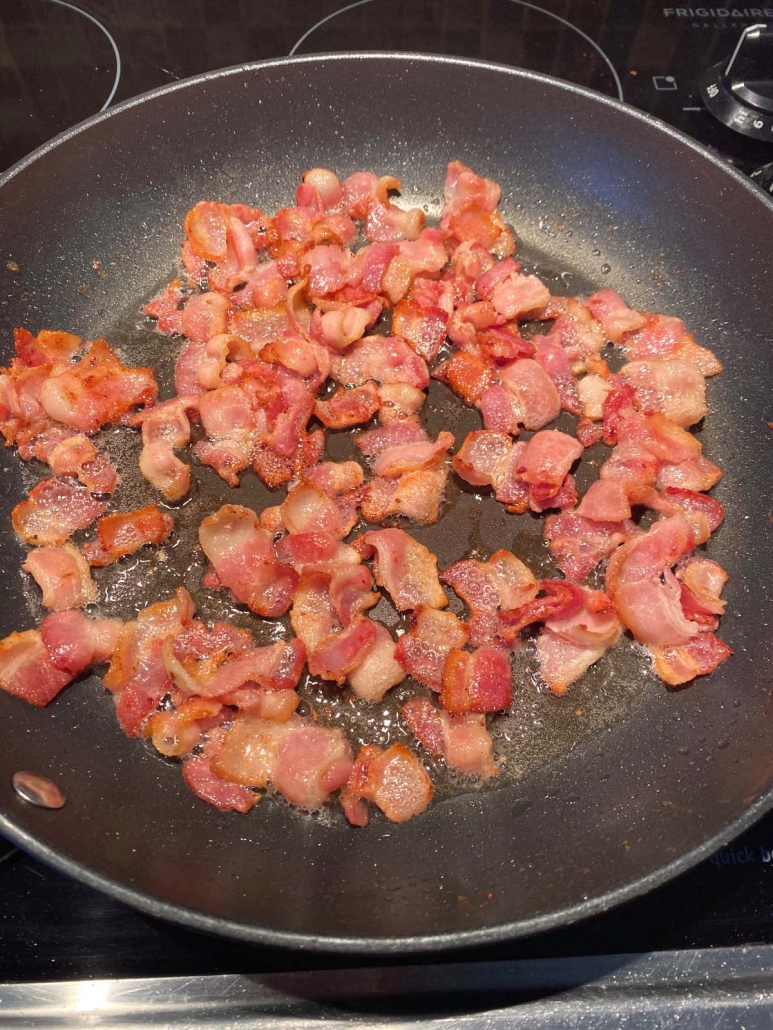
<point x="725" y="989"/>
<point x="38" y="790"/>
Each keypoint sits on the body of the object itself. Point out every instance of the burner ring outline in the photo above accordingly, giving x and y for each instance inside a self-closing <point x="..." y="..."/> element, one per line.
<point x="112" y="42"/>
<point x="520" y="3"/>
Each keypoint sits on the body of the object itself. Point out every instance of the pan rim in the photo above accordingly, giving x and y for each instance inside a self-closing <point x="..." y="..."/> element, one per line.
<point x="353" y="944"/>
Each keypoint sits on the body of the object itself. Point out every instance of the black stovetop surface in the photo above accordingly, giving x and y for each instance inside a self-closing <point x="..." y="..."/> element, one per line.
<point x="61" y="63"/>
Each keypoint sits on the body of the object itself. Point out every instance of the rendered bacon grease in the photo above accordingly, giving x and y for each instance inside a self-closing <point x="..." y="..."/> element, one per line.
<point x="276" y="320"/>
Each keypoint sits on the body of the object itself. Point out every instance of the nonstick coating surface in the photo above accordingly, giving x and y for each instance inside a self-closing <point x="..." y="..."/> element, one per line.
<point x="662" y="777"/>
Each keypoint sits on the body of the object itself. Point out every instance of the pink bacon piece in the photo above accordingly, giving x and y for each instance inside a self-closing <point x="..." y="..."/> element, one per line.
<point x="462" y="740"/>
<point x="63" y="576"/>
<point x="394" y="780"/>
<point x="423" y="650"/>
<point x="243" y="559"/>
<point x="53" y="511"/>
<point x="404" y="567"/>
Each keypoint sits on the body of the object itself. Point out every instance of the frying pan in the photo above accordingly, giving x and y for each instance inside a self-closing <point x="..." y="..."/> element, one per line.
<point x="606" y="793"/>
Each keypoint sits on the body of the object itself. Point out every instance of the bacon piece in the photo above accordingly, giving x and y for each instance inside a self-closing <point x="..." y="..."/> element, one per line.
<point x="77" y="456"/>
<point x="696" y="474"/>
<point x="302" y="549"/>
<point x="266" y="289"/>
<point x="668" y="442"/>
<point x="422" y="327"/>
<point x="53" y="511"/>
<point x="137" y="675"/>
<point x="206" y="227"/>
<point x="379" y="670"/>
<point x="593" y="390"/>
<point x="697" y="657"/>
<point x="164" y="428"/>
<point x="663" y="336"/>
<point x="462" y="740"/>
<point x="387" y="359"/>
<point x="511" y="292"/>
<point x="62" y="575"/>
<point x="394" y="780"/>
<point x="417" y="495"/>
<point x="196" y="653"/>
<point x="168" y="421"/>
<point x="205" y="315"/>
<point x="396" y="460"/>
<point x="577" y="331"/>
<point x="694" y="505"/>
<point x="589" y="433"/>
<point x="176" y="733"/>
<point x="349" y="407"/>
<point x="249" y="750"/>
<point x="228" y="422"/>
<point x="311" y="762"/>
<point x="275" y="470"/>
<point x="387" y="223"/>
<point x="525" y="475"/>
<point x="553" y="358"/>
<point x="613" y="313"/>
<point x="340" y="327"/>
<point x="326" y="190"/>
<point x="635" y="467"/>
<point x="48" y="348"/>
<point x="334" y="478"/>
<point x="27" y="671"/>
<point x="313" y="617"/>
<point x="424" y="648"/>
<point x="568" y="646"/>
<point x="277" y="666"/>
<point x="259" y="325"/>
<point x="190" y="361"/>
<point x="470" y="319"/>
<point x="126" y="532"/>
<point x="486" y="587"/>
<point x="473" y="224"/>
<point x="482" y="454"/>
<point x="644" y="589"/>
<point x="421" y="257"/>
<point x="212" y="788"/>
<point x="503" y="344"/>
<point x="75" y="642"/>
<point x="97" y="390"/>
<point x="532" y="395"/>
<point x="242" y="555"/>
<point x="165" y="471"/>
<point x="559" y="599"/>
<point x="464" y="186"/>
<point x="399" y="403"/>
<point x="374" y="442"/>
<point x="675" y="388"/>
<point x="478" y="681"/>
<point x="305" y="763"/>
<point x="306" y="509"/>
<point x="326" y="599"/>
<point x="325" y="268"/>
<point x="404" y="567"/>
<point x="546" y="459"/>
<point x="606" y="500"/>
<point x="467" y="375"/>
<point x="702" y="581"/>
<point x="341" y="652"/>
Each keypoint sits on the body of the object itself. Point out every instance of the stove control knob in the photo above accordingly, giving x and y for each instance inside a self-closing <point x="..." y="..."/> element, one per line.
<point x="764" y="178"/>
<point x="740" y="92"/>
